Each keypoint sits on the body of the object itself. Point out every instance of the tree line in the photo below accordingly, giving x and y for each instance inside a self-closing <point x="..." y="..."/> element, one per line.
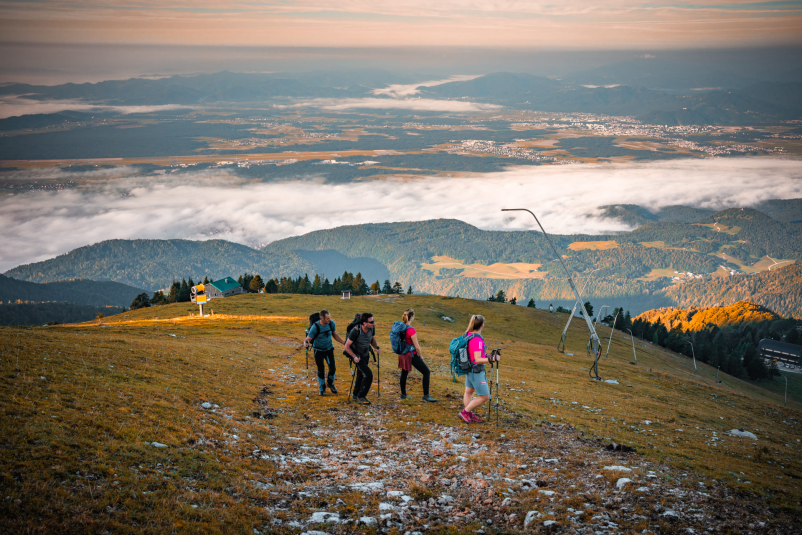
<point x="181" y="292"/>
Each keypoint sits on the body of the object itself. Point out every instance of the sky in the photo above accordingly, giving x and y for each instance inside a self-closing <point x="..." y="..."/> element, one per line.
<point x="42" y="224"/>
<point x="571" y="24"/>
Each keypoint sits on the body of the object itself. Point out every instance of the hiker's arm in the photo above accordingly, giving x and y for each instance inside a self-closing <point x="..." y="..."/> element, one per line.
<point x="416" y="344"/>
<point x="348" y="349"/>
<point x="375" y="344"/>
<point x="337" y="337"/>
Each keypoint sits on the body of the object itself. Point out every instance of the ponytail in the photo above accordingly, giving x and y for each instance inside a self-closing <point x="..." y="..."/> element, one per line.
<point x="476" y="323"/>
<point x="407" y="316"/>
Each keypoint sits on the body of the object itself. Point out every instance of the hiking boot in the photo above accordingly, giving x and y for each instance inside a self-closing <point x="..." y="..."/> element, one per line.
<point x="363" y="401"/>
<point x="466" y="417"/>
<point x="404" y="396"/>
<point x="331" y="387"/>
<point x="322" y="391"/>
<point x="429" y="398"/>
<point x="475" y="418"/>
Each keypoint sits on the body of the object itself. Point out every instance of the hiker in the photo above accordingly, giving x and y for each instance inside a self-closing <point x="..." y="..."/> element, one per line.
<point x="319" y="337"/>
<point x="475" y="379"/>
<point x="357" y="345"/>
<point x="412" y="357"/>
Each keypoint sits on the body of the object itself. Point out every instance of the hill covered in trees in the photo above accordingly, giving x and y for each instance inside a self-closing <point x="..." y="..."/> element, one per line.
<point x="679" y="256"/>
<point x="698" y="318"/>
<point x="78" y="291"/>
<point x="19" y="314"/>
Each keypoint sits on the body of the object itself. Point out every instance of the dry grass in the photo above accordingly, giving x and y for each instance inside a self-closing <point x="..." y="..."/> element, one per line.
<point x="80" y="403"/>
<point x="593" y="245"/>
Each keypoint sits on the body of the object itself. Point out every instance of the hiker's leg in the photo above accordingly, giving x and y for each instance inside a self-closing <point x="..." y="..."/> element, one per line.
<point x="332" y="366"/>
<point x="476" y="402"/>
<point x="367" y="378"/>
<point x="477" y="382"/>
<point x="320" y="359"/>
<point x="404" y="375"/>
<point x="424" y="370"/>
<point x="467" y="397"/>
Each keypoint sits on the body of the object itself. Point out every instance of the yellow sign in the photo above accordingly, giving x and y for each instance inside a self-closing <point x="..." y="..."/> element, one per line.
<point x="200" y="299"/>
<point x="200" y="287"/>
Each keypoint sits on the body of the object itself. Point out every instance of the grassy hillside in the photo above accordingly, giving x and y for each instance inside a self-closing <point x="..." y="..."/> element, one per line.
<point x="87" y="408"/>
<point x="698" y="318"/>
<point x="80" y="292"/>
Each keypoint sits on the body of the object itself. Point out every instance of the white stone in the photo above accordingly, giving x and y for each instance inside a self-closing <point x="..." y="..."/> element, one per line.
<point x="530" y="517"/>
<point x="546" y="492"/>
<point x="313" y="532"/>
<point x="367" y="520"/>
<point x="670" y="512"/>
<point x="552" y="460"/>
<point x="742" y="433"/>
<point x="506" y="502"/>
<point x="611" y="381"/>
<point x="642" y="489"/>
<point x="384" y="506"/>
<point x="647" y="422"/>
<point x="322" y="517"/>
<point x="367" y="487"/>
<point x="618" y="468"/>
<point x="444" y="499"/>
<point x="206" y="405"/>
<point x="158" y="445"/>
<point x="394" y="493"/>
<point x="622" y="482"/>
<point x="548" y="523"/>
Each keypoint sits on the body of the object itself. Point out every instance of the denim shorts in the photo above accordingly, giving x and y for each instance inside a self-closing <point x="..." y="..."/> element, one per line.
<point x="477" y="381"/>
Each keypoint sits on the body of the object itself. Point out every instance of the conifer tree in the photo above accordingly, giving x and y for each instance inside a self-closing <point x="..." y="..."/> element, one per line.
<point x="531" y="303"/>
<point x="387" y="289"/>
<point x="409" y="290"/>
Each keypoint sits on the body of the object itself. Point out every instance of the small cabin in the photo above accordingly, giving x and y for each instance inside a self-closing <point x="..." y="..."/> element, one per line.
<point x="347" y="294"/>
<point x="223" y="288"/>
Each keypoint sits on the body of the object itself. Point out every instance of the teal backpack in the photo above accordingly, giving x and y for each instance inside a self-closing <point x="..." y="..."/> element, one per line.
<point x="460" y="360"/>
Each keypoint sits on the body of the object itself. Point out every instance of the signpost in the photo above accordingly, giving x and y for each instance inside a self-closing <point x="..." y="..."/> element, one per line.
<point x="199" y="297"/>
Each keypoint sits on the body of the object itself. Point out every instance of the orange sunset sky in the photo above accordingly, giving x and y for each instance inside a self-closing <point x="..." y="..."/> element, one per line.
<point x="371" y="23"/>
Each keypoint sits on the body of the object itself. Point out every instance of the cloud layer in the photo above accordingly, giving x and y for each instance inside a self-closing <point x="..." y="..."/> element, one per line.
<point x="416" y="104"/>
<point x="14" y="106"/>
<point x="214" y="204"/>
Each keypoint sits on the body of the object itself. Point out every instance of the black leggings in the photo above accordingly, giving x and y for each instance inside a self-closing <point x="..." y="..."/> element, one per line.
<point x="419" y="365"/>
<point x="321" y="357"/>
<point x="364" y="378"/>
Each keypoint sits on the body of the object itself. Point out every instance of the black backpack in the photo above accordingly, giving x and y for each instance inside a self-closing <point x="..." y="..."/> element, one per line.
<point x="314" y="318"/>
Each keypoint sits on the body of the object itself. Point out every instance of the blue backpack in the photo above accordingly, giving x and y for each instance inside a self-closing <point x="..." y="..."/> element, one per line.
<point x="398" y="338"/>
<point x="460" y="360"/>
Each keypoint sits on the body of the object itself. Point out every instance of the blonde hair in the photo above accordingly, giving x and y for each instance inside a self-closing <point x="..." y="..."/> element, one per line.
<point x="476" y="323"/>
<point x="408" y="315"/>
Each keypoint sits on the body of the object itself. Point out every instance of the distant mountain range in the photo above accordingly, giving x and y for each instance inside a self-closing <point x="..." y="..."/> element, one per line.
<point x="679" y="256"/>
<point x="657" y="92"/>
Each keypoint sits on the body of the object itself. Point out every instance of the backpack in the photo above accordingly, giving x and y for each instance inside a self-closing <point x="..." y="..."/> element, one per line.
<point x="460" y="360"/>
<point x="398" y="338"/>
<point x="315" y="318"/>
<point x="353" y="324"/>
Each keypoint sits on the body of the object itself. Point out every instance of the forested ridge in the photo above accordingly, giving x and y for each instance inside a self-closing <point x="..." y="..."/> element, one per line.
<point x="639" y="271"/>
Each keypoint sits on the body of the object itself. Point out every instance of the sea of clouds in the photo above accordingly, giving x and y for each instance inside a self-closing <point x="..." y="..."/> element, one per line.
<point x="217" y="204"/>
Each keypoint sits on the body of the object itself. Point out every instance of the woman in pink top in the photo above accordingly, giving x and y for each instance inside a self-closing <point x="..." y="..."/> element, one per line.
<point x="413" y="358"/>
<point x="475" y="380"/>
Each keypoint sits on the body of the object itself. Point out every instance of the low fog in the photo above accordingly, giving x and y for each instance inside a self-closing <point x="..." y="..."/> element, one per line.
<point x="217" y="204"/>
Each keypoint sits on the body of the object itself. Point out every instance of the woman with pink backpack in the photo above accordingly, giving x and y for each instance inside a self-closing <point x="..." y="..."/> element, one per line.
<point x="475" y="379"/>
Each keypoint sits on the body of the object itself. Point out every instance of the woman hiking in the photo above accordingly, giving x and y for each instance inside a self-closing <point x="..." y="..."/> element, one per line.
<point x="413" y="358"/>
<point x="475" y="380"/>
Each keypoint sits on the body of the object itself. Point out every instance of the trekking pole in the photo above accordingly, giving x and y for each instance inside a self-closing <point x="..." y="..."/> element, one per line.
<point x="490" y="404"/>
<point x="353" y="376"/>
<point x="307" y="373"/>
<point x="497" y="395"/>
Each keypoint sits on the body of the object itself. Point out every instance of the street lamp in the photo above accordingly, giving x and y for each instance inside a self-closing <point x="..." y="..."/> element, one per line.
<point x="632" y="338"/>
<point x="693" y="353"/>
